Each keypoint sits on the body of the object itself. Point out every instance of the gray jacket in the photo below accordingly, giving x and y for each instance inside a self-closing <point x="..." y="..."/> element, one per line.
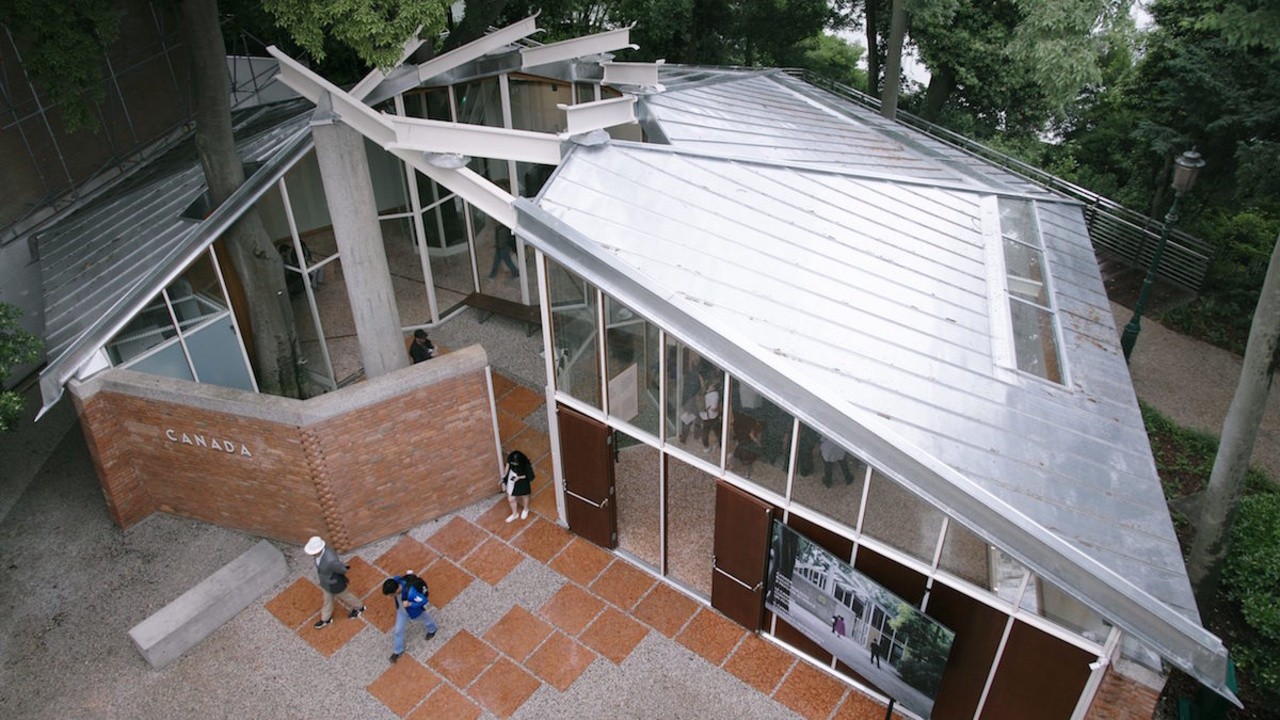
<point x="329" y="568"/>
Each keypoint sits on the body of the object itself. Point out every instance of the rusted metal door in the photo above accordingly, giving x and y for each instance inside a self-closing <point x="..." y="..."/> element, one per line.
<point x="743" y="524"/>
<point x="586" y="457"/>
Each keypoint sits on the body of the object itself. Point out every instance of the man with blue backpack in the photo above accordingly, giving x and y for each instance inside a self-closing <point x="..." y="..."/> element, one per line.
<point x="409" y="592"/>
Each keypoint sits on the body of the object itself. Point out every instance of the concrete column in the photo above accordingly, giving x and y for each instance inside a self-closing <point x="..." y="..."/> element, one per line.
<point x="344" y="168"/>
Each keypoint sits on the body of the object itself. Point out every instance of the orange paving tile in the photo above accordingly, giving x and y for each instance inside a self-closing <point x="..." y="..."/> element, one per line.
<point x="445" y="581"/>
<point x="542" y="539"/>
<point x="614" y="635"/>
<point x="446" y="703"/>
<point x="581" y="561"/>
<point x="760" y="664"/>
<point x="330" y="638"/>
<point x="544" y="504"/>
<point x="521" y="401"/>
<point x="518" y="633"/>
<point x="711" y="635"/>
<point x="860" y="707"/>
<point x="296" y="603"/>
<point x="362" y="576"/>
<point x="494" y="520"/>
<point x="666" y="610"/>
<point x="457" y="539"/>
<point x="571" y="609"/>
<point x="543" y="469"/>
<point x="502" y="385"/>
<point x="406" y="554"/>
<point x="509" y="426"/>
<point x="463" y="658"/>
<point x="493" y="561"/>
<point x="810" y="692"/>
<point x="403" y="685"/>
<point x="504" y="687"/>
<point x="381" y="611"/>
<point x="534" y="443"/>
<point x="623" y="584"/>
<point x="560" y="661"/>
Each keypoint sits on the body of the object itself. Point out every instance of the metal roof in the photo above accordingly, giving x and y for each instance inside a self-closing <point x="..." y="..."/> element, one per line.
<point x="813" y="251"/>
<point x="107" y="260"/>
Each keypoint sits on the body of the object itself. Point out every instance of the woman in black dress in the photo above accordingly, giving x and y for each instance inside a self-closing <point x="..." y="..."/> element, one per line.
<point x="516" y="477"/>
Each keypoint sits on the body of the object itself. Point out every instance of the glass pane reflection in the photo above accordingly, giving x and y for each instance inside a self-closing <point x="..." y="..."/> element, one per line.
<point x="632" y="346"/>
<point x="901" y="519"/>
<point x="760" y="438"/>
<point x="836" y="489"/>
<point x="637" y="478"/>
<point x="574" y="337"/>
<point x="695" y="401"/>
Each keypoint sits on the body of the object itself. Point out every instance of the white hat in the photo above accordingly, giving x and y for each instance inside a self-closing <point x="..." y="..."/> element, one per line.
<point x="314" y="546"/>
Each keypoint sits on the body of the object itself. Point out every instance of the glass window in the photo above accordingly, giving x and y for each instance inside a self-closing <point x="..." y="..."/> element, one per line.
<point x="760" y="438"/>
<point x="534" y="101"/>
<point x="898" y="517"/>
<point x="1035" y="338"/>
<point x="691" y="506"/>
<point x="637" y="482"/>
<point x="827" y="479"/>
<point x="442" y="217"/>
<point x="574" y="337"/>
<point x="149" y="328"/>
<point x="217" y="356"/>
<point x="388" y="177"/>
<point x="169" y="362"/>
<point x="695" y="401"/>
<point x="966" y="556"/>
<point x="480" y="102"/>
<point x="1064" y="610"/>
<point x="632" y="351"/>
<point x="429" y="103"/>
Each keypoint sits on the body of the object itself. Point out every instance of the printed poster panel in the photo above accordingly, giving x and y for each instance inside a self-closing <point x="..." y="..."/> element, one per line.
<point x="882" y="637"/>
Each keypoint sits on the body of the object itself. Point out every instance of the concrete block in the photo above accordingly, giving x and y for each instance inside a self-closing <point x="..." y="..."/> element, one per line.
<point x="193" y="616"/>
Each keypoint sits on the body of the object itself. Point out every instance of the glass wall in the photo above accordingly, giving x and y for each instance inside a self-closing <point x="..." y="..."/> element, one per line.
<point x="574" y="338"/>
<point x="633" y="350"/>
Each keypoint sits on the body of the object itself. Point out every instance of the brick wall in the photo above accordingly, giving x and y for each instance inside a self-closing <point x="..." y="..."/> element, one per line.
<point x="359" y="464"/>
<point x="1127" y="692"/>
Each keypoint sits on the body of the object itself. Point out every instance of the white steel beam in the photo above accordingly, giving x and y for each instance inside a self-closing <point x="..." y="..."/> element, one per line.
<point x="477" y="48"/>
<point x="376" y="75"/>
<point x="437" y="136"/>
<point x="633" y="73"/>
<point x="493" y="200"/>
<point x="585" y="117"/>
<point x="577" y="47"/>
<point x="364" y="119"/>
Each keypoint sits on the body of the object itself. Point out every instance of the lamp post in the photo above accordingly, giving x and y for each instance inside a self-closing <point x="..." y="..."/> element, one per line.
<point x="1186" y="167"/>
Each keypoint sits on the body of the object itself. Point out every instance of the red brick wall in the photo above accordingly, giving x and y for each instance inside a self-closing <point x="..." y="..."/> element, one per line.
<point x="356" y="465"/>
<point x="1124" y="698"/>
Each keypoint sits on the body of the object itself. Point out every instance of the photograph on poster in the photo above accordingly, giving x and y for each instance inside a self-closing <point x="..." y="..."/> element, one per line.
<point x="879" y="635"/>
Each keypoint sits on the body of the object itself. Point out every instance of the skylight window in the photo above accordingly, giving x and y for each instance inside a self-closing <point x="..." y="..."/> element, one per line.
<point x="1035" y="326"/>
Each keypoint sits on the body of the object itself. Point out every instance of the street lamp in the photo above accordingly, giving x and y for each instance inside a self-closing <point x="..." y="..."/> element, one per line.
<point x="1186" y="167"/>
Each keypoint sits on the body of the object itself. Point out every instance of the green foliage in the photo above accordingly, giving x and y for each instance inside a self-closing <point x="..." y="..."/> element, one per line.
<point x="62" y="44"/>
<point x="376" y="30"/>
<point x="17" y="347"/>
<point x="927" y="647"/>
<point x="833" y="58"/>
<point x="1184" y="456"/>
<point x="1251" y="577"/>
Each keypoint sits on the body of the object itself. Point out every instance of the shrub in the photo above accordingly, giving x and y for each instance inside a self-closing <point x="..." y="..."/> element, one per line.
<point x="1251" y="577"/>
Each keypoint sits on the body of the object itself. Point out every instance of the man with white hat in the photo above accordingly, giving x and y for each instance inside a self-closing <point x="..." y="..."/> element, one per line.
<point x="332" y="573"/>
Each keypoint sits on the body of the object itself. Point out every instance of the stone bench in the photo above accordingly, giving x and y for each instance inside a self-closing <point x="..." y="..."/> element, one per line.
<point x="178" y="626"/>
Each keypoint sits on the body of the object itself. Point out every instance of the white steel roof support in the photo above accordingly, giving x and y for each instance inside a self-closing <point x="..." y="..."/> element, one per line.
<point x="585" y="117"/>
<point x="438" y="136"/>
<point x="632" y="73"/>
<point x="376" y="76"/>
<point x="577" y="47"/>
<point x="477" y="48"/>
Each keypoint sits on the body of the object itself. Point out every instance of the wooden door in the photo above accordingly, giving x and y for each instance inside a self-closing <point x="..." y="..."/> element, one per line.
<point x="586" y="457"/>
<point x="743" y="525"/>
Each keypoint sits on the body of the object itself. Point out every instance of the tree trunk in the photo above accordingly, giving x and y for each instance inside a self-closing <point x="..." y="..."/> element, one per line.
<point x="1226" y="483"/>
<point x="941" y="83"/>
<point x="893" y="60"/>
<point x="873" y="56"/>
<point x="255" y="259"/>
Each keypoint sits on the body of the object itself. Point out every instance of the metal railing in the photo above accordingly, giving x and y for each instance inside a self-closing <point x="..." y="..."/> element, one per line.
<point x="1131" y="235"/>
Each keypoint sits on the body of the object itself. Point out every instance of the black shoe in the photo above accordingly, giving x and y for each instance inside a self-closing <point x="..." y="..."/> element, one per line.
<point x="395" y="656"/>
<point x="321" y="623"/>
<point x="356" y="613"/>
<point x="430" y="635"/>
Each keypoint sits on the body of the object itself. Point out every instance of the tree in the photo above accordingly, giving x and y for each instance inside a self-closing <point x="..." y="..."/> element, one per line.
<point x="833" y="58"/>
<point x="893" y="60"/>
<point x="17" y="347"/>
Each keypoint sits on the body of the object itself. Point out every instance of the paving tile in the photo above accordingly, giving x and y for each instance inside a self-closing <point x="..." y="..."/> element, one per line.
<point x="509" y="427"/>
<point x="457" y="539"/>
<point x="760" y="664"/>
<point x="493" y="561"/>
<point x="444" y="581"/>
<point x="330" y="638"/>
<point x="504" y="687"/>
<point x="543" y="469"/>
<point x="614" y="635"/>
<point x="542" y="539"/>
<point x="296" y="603"/>
<point x="406" y="554"/>
<point x="810" y="692"/>
<point x="363" y="577"/>
<point x="544" y="504"/>
<point x="521" y="401"/>
<point x="666" y="610"/>
<point x="494" y="520"/>
<point x="623" y="584"/>
<point x="518" y="633"/>
<point x="860" y="707"/>
<point x="446" y="704"/>
<point x="534" y="443"/>
<point x="560" y="661"/>
<point x="403" y="685"/>
<point x="711" y="635"/>
<point x="381" y="613"/>
<point x="572" y="609"/>
<point x="502" y="385"/>
<point x="463" y="658"/>
<point x="581" y="561"/>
